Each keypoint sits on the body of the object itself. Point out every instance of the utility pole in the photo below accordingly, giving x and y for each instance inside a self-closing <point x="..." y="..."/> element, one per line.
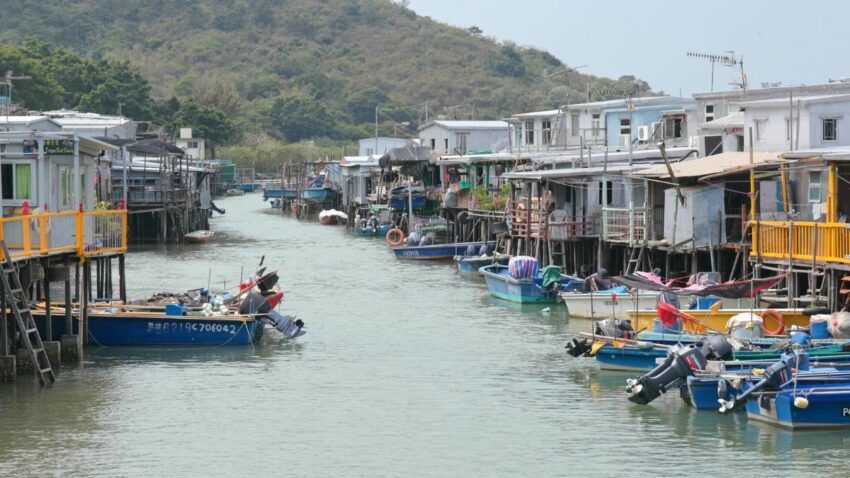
<point x="376" y="129"/>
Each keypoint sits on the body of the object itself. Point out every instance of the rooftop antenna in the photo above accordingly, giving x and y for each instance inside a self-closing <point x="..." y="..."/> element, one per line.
<point x="10" y="75"/>
<point x="728" y="58"/>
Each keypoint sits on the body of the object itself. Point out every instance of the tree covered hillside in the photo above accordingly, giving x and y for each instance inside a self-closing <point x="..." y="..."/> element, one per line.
<point x="298" y="69"/>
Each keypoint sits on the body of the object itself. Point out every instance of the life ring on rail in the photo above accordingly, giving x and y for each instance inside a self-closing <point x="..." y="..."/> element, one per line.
<point x="395" y="233"/>
<point x="777" y="316"/>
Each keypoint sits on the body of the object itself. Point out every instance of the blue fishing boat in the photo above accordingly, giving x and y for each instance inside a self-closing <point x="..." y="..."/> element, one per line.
<point x="401" y="198"/>
<point x="435" y="252"/>
<point x="470" y="265"/>
<point x="248" y="187"/>
<point x="531" y="289"/>
<point x="150" y="328"/>
<point x="380" y="231"/>
<point x="319" y="194"/>
<point x="279" y="193"/>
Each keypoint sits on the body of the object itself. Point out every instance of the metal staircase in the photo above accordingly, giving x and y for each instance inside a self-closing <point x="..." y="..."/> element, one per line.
<point x="18" y="303"/>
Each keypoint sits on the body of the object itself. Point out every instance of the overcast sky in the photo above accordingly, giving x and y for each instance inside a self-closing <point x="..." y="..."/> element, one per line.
<point x="786" y="41"/>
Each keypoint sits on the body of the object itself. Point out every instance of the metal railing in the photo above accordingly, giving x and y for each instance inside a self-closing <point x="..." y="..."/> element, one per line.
<point x="137" y="194"/>
<point x="624" y="225"/>
<point x="805" y="241"/>
<point x="86" y="233"/>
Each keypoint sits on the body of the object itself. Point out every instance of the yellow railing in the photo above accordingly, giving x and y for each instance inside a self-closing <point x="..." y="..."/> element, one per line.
<point x="86" y="233"/>
<point x="825" y="242"/>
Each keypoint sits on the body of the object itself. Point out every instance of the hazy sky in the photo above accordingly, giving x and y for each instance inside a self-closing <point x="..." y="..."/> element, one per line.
<point x="789" y="41"/>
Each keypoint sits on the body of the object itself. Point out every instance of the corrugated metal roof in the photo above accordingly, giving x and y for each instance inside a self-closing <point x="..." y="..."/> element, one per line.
<point x="724" y="163"/>
<point x="461" y="124"/>
<point x="570" y="172"/>
<point x="536" y="114"/>
<point x="785" y="102"/>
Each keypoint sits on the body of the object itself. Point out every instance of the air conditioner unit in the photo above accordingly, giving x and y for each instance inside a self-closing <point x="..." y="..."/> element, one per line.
<point x="644" y="133"/>
<point x="624" y="140"/>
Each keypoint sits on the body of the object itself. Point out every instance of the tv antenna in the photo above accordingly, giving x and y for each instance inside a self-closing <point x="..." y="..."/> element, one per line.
<point x="10" y="75"/>
<point x="728" y="58"/>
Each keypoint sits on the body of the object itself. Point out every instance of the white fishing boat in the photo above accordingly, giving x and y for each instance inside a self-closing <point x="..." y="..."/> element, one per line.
<point x="615" y="303"/>
<point x="199" y="237"/>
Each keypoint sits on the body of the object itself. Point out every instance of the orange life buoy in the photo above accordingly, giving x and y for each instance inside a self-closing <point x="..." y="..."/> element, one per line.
<point x="395" y="232"/>
<point x="777" y="316"/>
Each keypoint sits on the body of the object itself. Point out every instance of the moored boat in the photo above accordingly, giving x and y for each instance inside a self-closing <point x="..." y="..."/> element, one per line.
<point x="199" y="237"/>
<point x="612" y="303"/>
<point x="379" y="231"/>
<point x="470" y="265"/>
<point x="535" y="287"/>
<point x="436" y="252"/>
<point x="319" y="194"/>
<point x="332" y="217"/>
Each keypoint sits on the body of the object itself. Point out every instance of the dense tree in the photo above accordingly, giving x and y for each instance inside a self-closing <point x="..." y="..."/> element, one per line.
<point x="206" y="122"/>
<point x="507" y="61"/>
<point x="296" y="118"/>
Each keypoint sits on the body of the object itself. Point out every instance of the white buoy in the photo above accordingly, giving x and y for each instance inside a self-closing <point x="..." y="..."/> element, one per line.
<point x="546" y="310"/>
<point x="801" y="402"/>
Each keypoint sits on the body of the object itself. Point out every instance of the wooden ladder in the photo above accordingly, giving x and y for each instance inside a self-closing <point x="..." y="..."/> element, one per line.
<point x="18" y="303"/>
<point x="845" y="290"/>
<point x="635" y="259"/>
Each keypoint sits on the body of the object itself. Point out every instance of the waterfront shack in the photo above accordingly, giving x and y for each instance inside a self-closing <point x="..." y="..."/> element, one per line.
<point x="49" y="224"/>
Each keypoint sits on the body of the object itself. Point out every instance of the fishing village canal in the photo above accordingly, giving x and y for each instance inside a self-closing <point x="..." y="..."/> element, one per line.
<point x="406" y="370"/>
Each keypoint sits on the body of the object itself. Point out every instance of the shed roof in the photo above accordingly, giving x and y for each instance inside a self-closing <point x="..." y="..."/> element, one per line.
<point x="461" y="124"/>
<point x="723" y="163"/>
<point x="570" y="172"/>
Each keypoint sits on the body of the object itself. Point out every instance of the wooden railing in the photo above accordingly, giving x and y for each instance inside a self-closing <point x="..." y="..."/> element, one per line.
<point x="804" y="241"/>
<point x="86" y="233"/>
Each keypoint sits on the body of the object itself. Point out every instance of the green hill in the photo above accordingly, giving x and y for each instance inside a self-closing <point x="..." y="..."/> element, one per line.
<point x="300" y="69"/>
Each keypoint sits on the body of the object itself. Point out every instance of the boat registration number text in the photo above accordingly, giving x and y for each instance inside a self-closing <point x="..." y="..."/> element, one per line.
<point x="189" y="327"/>
<point x="845" y="412"/>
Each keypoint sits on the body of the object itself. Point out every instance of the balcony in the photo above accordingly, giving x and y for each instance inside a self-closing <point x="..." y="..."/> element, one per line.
<point x="802" y="241"/>
<point x="557" y="226"/>
<point x="148" y="195"/>
<point x="625" y="225"/>
<point x="85" y="233"/>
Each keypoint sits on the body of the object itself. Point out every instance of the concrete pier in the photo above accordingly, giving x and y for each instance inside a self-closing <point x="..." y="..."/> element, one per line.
<point x="7" y="368"/>
<point x="54" y="353"/>
<point x="24" y="364"/>
<point x="72" y="349"/>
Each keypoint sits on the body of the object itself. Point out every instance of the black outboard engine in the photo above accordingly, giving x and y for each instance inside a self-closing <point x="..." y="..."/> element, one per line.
<point x="775" y="375"/>
<point x="617" y="328"/>
<point x="577" y="348"/>
<point x="717" y="347"/>
<point x="287" y="325"/>
<point x="681" y="361"/>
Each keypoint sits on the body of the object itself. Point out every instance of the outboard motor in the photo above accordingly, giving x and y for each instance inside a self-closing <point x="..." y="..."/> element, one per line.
<point x="255" y="303"/>
<point x="577" y="348"/>
<point x="717" y="347"/>
<point x="287" y="325"/>
<point x="775" y="375"/>
<point x="617" y="328"/>
<point x="681" y="361"/>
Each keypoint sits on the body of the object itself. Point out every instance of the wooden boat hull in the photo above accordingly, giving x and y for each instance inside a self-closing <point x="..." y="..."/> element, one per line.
<point x="368" y="232"/>
<point x="643" y="319"/>
<point x="522" y="291"/>
<point x="276" y="193"/>
<point x="248" y="187"/>
<point x="128" y="329"/>
<point x="318" y="195"/>
<point x="437" y="252"/>
<point x="605" y="305"/>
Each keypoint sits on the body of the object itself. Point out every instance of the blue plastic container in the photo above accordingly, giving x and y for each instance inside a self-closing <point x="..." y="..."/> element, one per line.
<point x="175" y="309"/>
<point x="703" y="303"/>
<point x="819" y="329"/>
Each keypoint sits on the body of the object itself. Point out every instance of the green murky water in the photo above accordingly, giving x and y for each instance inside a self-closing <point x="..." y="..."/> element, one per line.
<point x="406" y="370"/>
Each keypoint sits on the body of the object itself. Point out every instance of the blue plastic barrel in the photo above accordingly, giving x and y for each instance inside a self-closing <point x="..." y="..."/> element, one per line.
<point x="174" y="309"/>
<point x="819" y="330"/>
